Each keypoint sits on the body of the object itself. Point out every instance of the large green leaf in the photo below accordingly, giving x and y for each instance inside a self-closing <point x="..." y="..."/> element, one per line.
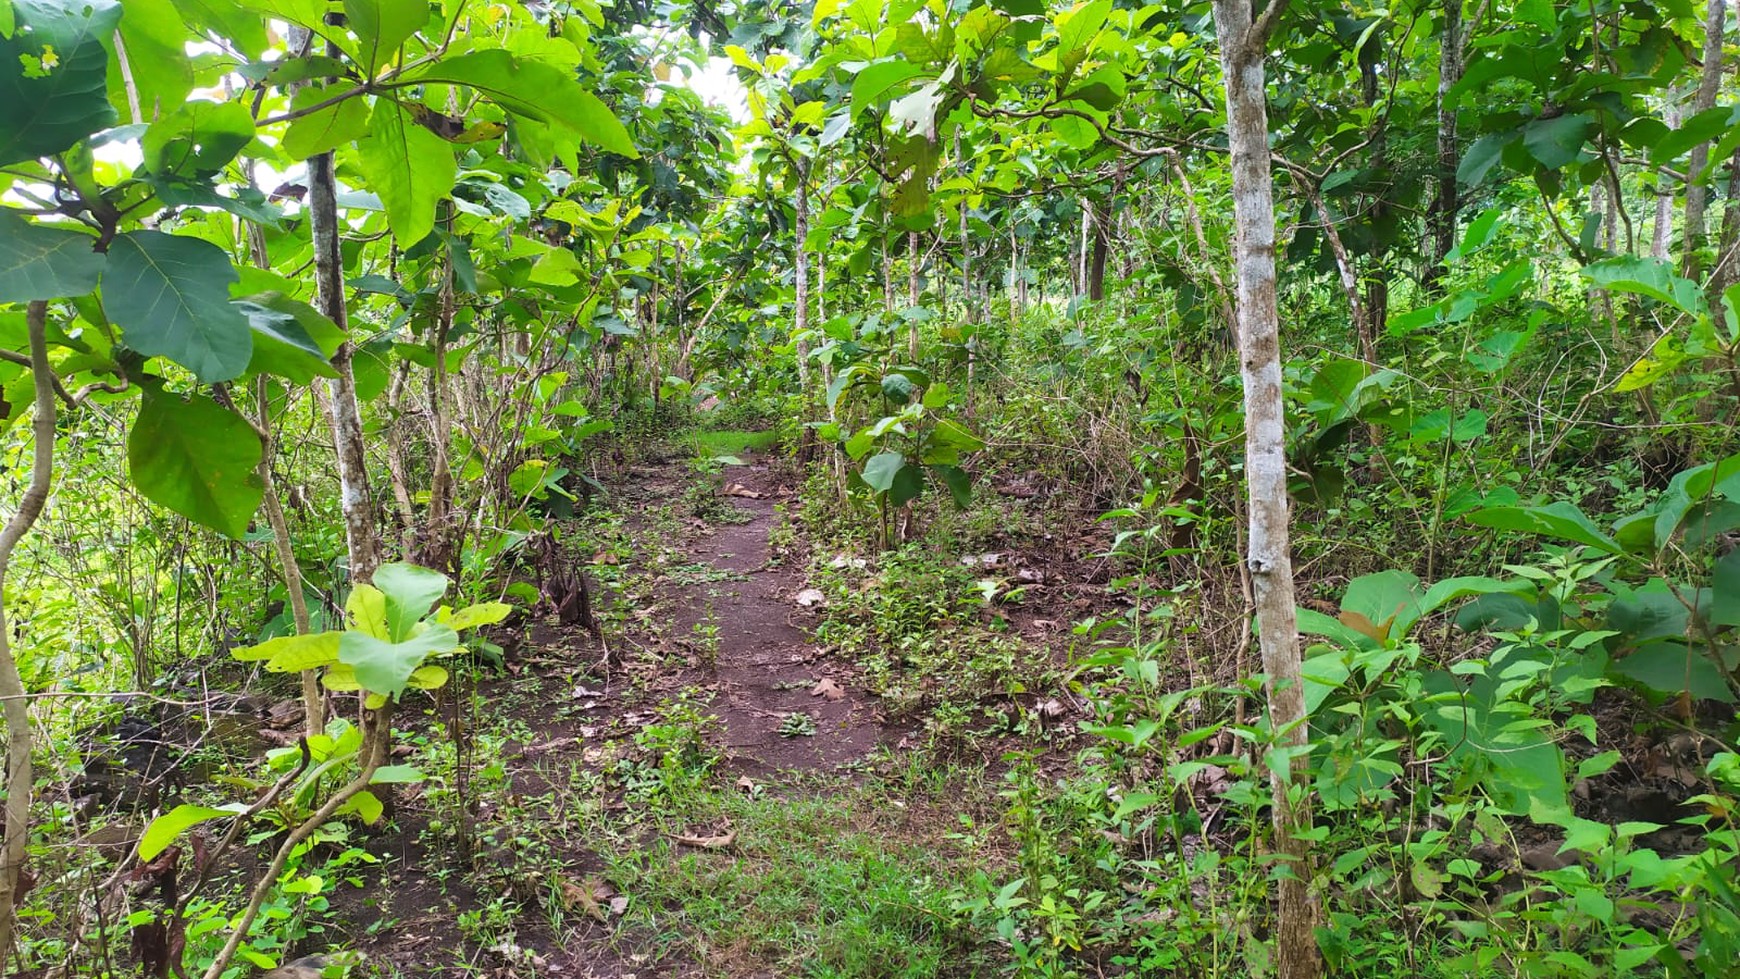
<point x="875" y="81"/>
<point x="1700" y="128"/>
<point x="382" y="26"/>
<point x="170" y="294"/>
<point x="386" y="667"/>
<point x="282" y="342"/>
<point x="1496" y="740"/>
<point x="1673" y="669"/>
<point x="165" y="828"/>
<point x="1387" y="601"/>
<point x="1482" y="157"/>
<point x="1557" y="141"/>
<point x="293" y="654"/>
<point x="410" y="168"/>
<point x="53" y="76"/>
<point x="880" y="471"/>
<point x="473" y="616"/>
<point x="39" y="262"/>
<point x="1725" y="590"/>
<point x="1561" y="520"/>
<point x="908" y="485"/>
<point x="1080" y="24"/>
<point x="159" y="70"/>
<point x="959" y="483"/>
<point x="1647" y="277"/>
<point x="198" y="459"/>
<point x="1693" y="486"/>
<point x="536" y="90"/>
<point x="328" y="128"/>
<point x="197" y="139"/>
<point x="411" y="593"/>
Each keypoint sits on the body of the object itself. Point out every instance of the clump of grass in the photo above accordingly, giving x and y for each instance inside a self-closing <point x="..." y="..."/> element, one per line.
<point x="718" y="444"/>
<point x="817" y="884"/>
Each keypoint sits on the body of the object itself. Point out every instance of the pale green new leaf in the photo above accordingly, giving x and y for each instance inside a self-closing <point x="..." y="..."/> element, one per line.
<point x="427" y="678"/>
<point x="410" y="592"/>
<point x="165" y="828"/>
<point x="367" y="609"/>
<point x="472" y="616"/>
<point x="386" y="667"/>
<point x="293" y="654"/>
<point x="364" y="804"/>
<point x="340" y="678"/>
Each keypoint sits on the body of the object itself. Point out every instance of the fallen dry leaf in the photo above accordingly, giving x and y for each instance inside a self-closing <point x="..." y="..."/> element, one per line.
<point x="604" y="557"/>
<point x="583" y="898"/>
<point x="828" y="688"/>
<point x="718" y="842"/>
<point x="810" y="597"/>
<point x="738" y="489"/>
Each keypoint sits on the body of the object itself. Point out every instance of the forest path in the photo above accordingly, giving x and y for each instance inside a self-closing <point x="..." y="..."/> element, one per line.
<point x="746" y="626"/>
<point x="698" y="606"/>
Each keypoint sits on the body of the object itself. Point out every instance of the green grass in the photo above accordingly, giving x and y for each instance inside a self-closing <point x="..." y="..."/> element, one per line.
<point x="835" y="883"/>
<point x="711" y="445"/>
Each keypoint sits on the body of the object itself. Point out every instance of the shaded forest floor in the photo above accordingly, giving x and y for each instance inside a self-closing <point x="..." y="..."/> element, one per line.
<point x="782" y="754"/>
<point x="705" y="787"/>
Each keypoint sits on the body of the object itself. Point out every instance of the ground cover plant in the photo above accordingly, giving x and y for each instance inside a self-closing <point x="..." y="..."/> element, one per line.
<point x="847" y="489"/>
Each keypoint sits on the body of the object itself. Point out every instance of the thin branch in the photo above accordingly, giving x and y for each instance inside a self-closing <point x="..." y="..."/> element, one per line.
<point x="1264" y="26"/>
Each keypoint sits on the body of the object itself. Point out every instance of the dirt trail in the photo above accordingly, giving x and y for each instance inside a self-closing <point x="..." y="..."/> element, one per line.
<point x="765" y="664"/>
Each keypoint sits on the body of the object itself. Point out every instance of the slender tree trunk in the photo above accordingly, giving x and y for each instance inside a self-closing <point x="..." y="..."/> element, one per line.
<point x="1709" y="85"/>
<point x="1362" y="327"/>
<point x="1097" y="255"/>
<point x="1081" y="255"/>
<point x="912" y="295"/>
<point x="1729" y="240"/>
<point x="398" y="471"/>
<point x="971" y="339"/>
<point x="1662" y="229"/>
<point x="821" y="264"/>
<point x="1727" y="270"/>
<point x="20" y="776"/>
<point x="801" y="276"/>
<point x="439" y="550"/>
<point x="313" y="704"/>
<point x="1446" y="203"/>
<point x="355" y="501"/>
<point x="887" y="272"/>
<point x="1242" y="43"/>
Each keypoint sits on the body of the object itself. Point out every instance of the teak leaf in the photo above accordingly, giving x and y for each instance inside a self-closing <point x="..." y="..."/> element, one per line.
<point x="198" y="459"/>
<point x="170" y="296"/>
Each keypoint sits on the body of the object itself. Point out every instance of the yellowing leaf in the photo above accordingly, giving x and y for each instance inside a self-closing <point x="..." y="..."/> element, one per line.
<point x="367" y="608"/>
<point x="427" y="678"/>
<point x="472" y="616"/>
<point x="291" y="654"/>
<point x="341" y="678"/>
